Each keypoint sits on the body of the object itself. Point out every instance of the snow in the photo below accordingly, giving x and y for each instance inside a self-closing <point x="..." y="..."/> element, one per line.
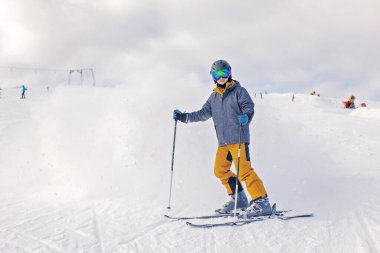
<point x="366" y="113"/>
<point x="87" y="169"/>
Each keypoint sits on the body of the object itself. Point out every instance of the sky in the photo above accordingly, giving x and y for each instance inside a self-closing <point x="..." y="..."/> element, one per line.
<point x="330" y="46"/>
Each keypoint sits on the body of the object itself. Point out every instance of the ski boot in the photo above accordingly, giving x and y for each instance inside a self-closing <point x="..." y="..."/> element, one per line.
<point x="229" y="207"/>
<point x="258" y="207"/>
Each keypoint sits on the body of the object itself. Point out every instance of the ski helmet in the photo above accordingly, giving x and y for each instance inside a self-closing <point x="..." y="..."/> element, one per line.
<point x="220" y="64"/>
<point x="352" y="97"/>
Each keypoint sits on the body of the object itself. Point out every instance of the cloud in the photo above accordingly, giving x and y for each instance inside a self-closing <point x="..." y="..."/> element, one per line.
<point x="273" y="45"/>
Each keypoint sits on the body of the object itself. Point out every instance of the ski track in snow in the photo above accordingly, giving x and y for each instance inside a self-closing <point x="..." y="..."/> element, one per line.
<point x="55" y="197"/>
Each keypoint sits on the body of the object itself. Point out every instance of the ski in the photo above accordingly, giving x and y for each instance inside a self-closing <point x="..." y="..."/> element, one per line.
<point x="219" y="215"/>
<point x="241" y="222"/>
<point x="238" y="222"/>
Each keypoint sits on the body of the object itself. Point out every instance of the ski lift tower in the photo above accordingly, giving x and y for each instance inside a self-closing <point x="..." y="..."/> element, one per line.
<point x="80" y="71"/>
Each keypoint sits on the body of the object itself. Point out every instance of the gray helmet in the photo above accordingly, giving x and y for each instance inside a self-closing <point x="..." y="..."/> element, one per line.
<point x="220" y="64"/>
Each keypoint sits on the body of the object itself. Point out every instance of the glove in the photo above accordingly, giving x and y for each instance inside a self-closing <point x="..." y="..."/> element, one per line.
<point x="243" y="119"/>
<point x="178" y="115"/>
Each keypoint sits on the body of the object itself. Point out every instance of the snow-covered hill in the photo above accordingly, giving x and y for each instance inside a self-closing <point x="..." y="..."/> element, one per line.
<point x="87" y="169"/>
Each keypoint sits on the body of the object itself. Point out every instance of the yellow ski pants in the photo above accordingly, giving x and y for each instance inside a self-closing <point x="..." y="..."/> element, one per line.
<point x="223" y="161"/>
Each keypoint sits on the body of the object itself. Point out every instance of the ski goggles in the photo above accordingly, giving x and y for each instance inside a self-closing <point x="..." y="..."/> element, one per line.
<point x="222" y="73"/>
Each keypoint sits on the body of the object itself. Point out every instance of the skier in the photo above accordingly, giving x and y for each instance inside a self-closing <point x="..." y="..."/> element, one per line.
<point x="231" y="109"/>
<point x="351" y="102"/>
<point x="23" y="91"/>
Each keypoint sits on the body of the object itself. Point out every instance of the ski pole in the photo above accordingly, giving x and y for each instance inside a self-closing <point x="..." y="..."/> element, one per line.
<point x="237" y="171"/>
<point x="171" y="176"/>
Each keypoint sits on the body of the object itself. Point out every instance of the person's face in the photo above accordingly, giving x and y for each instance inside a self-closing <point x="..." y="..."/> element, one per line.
<point x="222" y="81"/>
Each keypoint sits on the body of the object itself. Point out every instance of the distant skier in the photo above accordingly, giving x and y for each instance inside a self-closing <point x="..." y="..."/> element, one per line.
<point x="23" y="90"/>
<point x="350" y="104"/>
<point x="230" y="107"/>
<point x="314" y="93"/>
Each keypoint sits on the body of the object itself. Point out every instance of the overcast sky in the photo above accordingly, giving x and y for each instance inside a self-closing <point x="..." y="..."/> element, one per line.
<point x="331" y="46"/>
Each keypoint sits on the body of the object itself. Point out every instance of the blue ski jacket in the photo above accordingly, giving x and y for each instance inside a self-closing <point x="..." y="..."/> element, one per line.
<point x="224" y="108"/>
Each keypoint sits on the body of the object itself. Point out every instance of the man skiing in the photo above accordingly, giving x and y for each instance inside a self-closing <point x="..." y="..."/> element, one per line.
<point x="232" y="109"/>
<point x="351" y="102"/>
<point x="23" y="89"/>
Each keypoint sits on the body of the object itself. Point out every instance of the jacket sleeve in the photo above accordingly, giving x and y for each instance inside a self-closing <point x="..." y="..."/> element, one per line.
<point x="203" y="114"/>
<point x="245" y="103"/>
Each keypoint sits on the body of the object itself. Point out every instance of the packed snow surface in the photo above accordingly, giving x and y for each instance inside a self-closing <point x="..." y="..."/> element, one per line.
<point x="87" y="169"/>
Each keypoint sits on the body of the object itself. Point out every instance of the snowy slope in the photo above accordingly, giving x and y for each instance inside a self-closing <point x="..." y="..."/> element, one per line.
<point x="87" y="170"/>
